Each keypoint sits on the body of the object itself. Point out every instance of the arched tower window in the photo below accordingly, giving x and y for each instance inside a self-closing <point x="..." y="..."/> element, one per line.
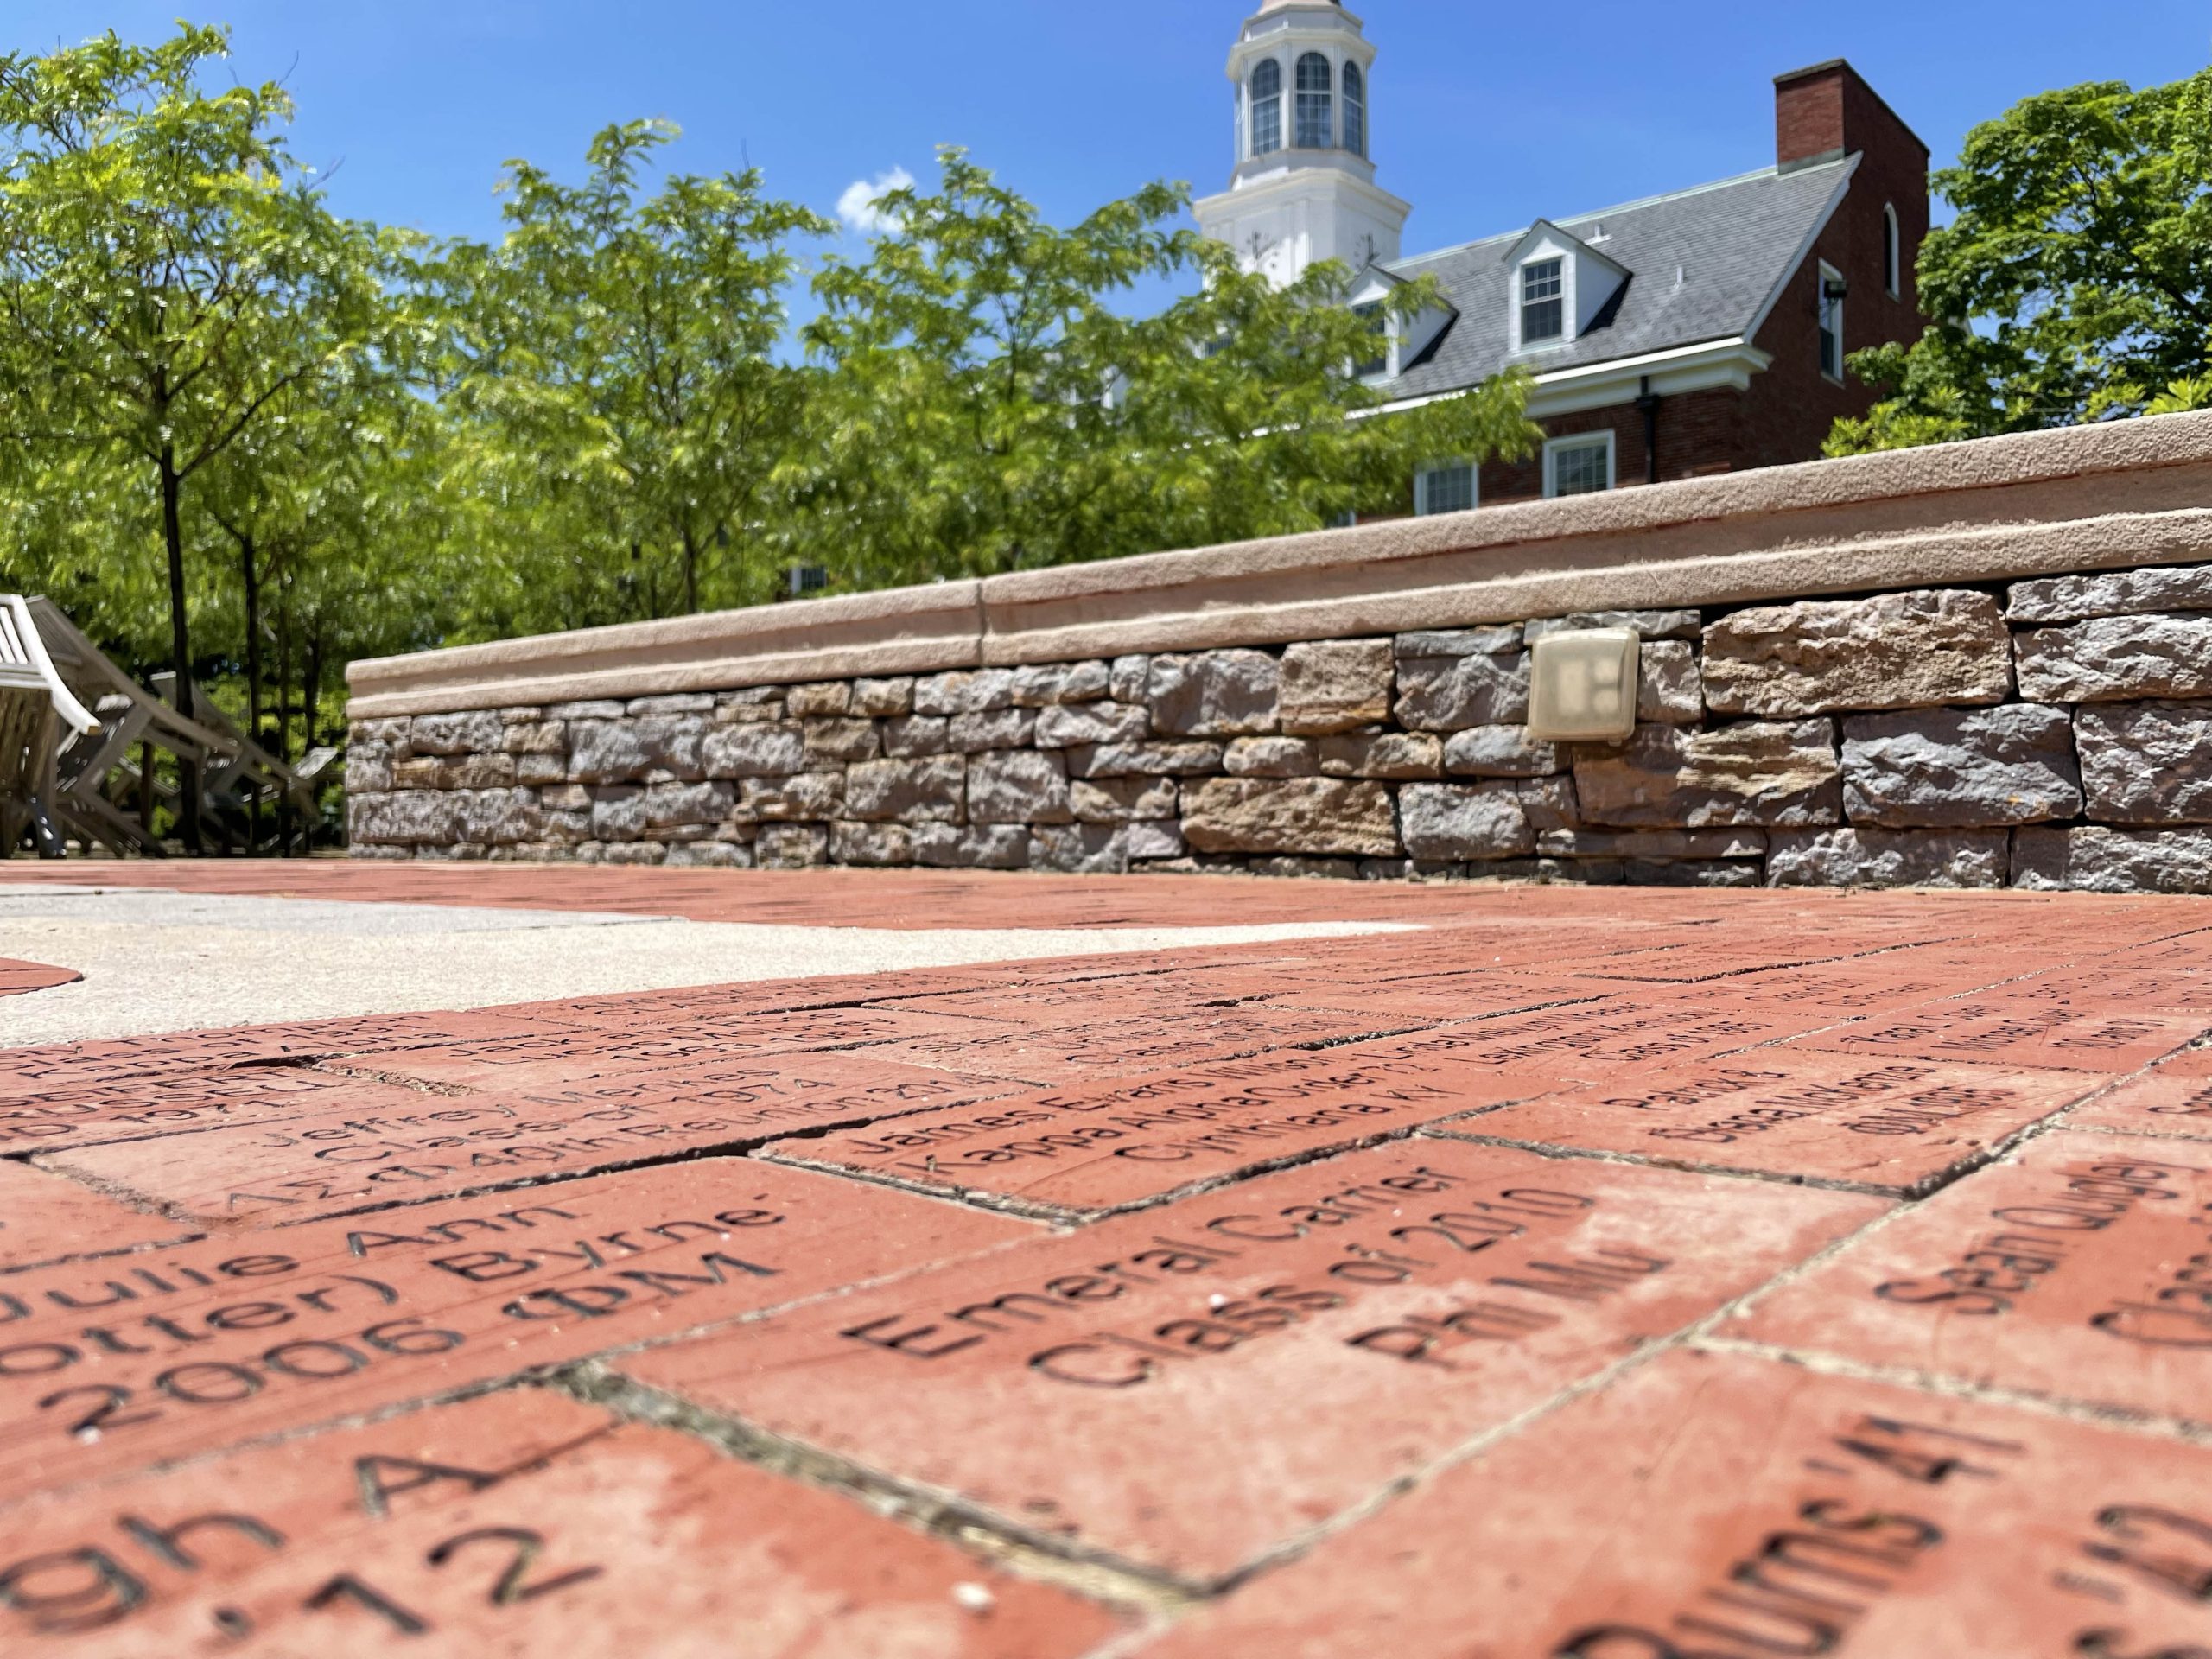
<point x="1892" y="253"/>
<point x="1354" y="110"/>
<point x="1316" y="119"/>
<point x="1267" y="107"/>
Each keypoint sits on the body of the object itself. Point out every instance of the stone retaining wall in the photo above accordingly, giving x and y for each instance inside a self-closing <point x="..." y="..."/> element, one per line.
<point x="2006" y="679"/>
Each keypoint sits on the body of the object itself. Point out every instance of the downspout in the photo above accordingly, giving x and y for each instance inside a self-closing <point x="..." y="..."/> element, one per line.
<point x="1647" y="404"/>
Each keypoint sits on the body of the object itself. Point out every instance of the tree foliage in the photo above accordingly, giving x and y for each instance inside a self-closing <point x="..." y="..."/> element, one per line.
<point x="2075" y="283"/>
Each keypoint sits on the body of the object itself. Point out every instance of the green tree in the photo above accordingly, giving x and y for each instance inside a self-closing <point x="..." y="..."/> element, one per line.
<point x="990" y="405"/>
<point x="619" y="349"/>
<point x="157" y="249"/>
<point x="2075" y="283"/>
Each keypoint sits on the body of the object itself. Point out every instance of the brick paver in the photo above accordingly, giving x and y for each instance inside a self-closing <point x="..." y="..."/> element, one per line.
<point x="1588" y="1275"/>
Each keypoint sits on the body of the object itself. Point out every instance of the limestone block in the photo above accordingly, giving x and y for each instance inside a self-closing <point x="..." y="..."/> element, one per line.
<point x="565" y="798"/>
<point x="1215" y="694"/>
<point x="393" y="731"/>
<point x="971" y="847"/>
<point x="2146" y="762"/>
<point x="1336" y="685"/>
<point x="916" y="734"/>
<point x="1273" y="757"/>
<point x="618" y="812"/>
<point x="1549" y="802"/>
<point x="1464" y="821"/>
<point x="1124" y="800"/>
<point x="1292" y="814"/>
<point x="2110" y="593"/>
<point x="1070" y="726"/>
<point x="1753" y="772"/>
<point x="1382" y="754"/>
<point x="747" y="711"/>
<point x="669" y="804"/>
<point x="1459" y="642"/>
<point x="792" y="847"/>
<point x="1155" y="838"/>
<point x="827" y="698"/>
<point x="2093" y="859"/>
<point x="1895" y="650"/>
<point x="1865" y="857"/>
<point x="969" y="691"/>
<point x="1041" y="685"/>
<point x="596" y="709"/>
<point x="408" y="817"/>
<point x="807" y="796"/>
<point x="907" y="791"/>
<point x="368" y="768"/>
<point x="679" y="702"/>
<point x="1672" y="690"/>
<point x="1954" y="768"/>
<point x="422" y="772"/>
<point x="612" y="751"/>
<point x="710" y="855"/>
<point x="1127" y="680"/>
<point x="1018" y="787"/>
<point x="499" y="817"/>
<point x="1002" y="728"/>
<point x="870" y="843"/>
<point x="835" y="742"/>
<point x="1144" y="759"/>
<point x="1080" y="848"/>
<point x="462" y="734"/>
<point x="634" y="852"/>
<point x="535" y="737"/>
<point x="2118" y="659"/>
<point x="1649" y="624"/>
<point x="1449" y="694"/>
<point x="541" y="768"/>
<point x="567" y="829"/>
<point x="764" y="751"/>
<point x="1689" y="873"/>
<point x="1500" y="751"/>
<point x="1704" y="844"/>
<point x="481" y="771"/>
<point x="890" y="697"/>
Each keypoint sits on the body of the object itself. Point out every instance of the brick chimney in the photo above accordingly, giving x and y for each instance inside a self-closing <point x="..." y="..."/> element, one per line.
<point x="1828" y="111"/>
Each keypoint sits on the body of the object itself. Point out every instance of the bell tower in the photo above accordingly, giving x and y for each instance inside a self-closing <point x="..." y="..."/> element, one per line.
<point x="1304" y="186"/>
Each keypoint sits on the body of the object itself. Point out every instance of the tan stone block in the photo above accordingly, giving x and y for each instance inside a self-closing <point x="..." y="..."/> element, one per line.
<point x="1293" y="815"/>
<point x="1896" y="650"/>
<point x="1336" y="685"/>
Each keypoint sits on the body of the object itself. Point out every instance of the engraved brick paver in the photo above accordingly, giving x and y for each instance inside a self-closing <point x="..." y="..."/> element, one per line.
<point x="1750" y="1510"/>
<point x="1582" y="1274"/>
<point x="1263" y="1358"/>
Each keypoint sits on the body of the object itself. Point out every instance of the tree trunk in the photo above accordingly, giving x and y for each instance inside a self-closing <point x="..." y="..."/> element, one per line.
<point x="284" y="707"/>
<point x="690" y="573"/>
<point x="180" y="642"/>
<point x="253" y="580"/>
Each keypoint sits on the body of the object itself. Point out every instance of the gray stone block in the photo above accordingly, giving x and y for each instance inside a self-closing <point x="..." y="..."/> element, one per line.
<point x="1124" y="800"/>
<point x="806" y="796"/>
<point x="541" y="768"/>
<point x="1863" y="857"/>
<point x="791" y="846"/>
<point x="1309" y="869"/>
<point x="1952" y="768"/>
<point x="1214" y="693"/>
<point x="1649" y="624"/>
<point x="1459" y="642"/>
<point x="1073" y="725"/>
<point x="1450" y="693"/>
<point x="1753" y="772"/>
<point x="368" y="768"/>
<point x="1080" y="848"/>
<point x="2118" y="659"/>
<point x="565" y="798"/>
<point x="1292" y="814"/>
<point x="2146" y="762"/>
<point x="410" y="817"/>
<point x="461" y="734"/>
<point x="1155" y="838"/>
<point x="1144" y="759"/>
<point x="618" y="812"/>
<point x="1896" y="650"/>
<point x="710" y="856"/>
<point x="916" y="734"/>
<point x="1464" y="821"/>
<point x="977" y="846"/>
<point x="880" y="844"/>
<point x="1129" y="678"/>
<point x="596" y="709"/>
<point x="1672" y="690"/>
<point x="613" y="751"/>
<point x="879" y="697"/>
<point x="1397" y="755"/>
<point x="762" y="751"/>
<point x="681" y="703"/>
<point x="499" y="817"/>
<point x="1041" y="685"/>
<point x="1549" y="802"/>
<point x="1002" y="728"/>
<point x="669" y="804"/>
<point x="2090" y="858"/>
<point x="1500" y="751"/>
<point x="2111" y="593"/>
<point x="970" y="691"/>
<point x="907" y="791"/>
<point x="1273" y="757"/>
<point x="1336" y="685"/>
<point x="835" y="742"/>
<point x="1018" y="787"/>
<point x="1653" y="844"/>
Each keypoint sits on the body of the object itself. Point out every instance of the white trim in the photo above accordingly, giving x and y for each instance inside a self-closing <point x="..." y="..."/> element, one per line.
<point x="1680" y="369"/>
<point x="1820" y="314"/>
<point x="1892" y="252"/>
<point x="1576" y="440"/>
<point x="1804" y="250"/>
<point x="1422" y="510"/>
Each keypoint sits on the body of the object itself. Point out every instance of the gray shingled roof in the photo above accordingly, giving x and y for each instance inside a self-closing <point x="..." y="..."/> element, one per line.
<point x="1735" y="242"/>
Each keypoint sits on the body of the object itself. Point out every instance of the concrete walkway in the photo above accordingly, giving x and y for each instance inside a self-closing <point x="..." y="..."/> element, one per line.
<point x="654" y="1262"/>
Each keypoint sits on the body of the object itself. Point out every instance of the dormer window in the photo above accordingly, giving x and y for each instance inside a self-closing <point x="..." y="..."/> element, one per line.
<point x="1378" y="324"/>
<point x="1267" y="107"/>
<point x="1354" y="110"/>
<point x="1544" y="302"/>
<point x="1316" y="104"/>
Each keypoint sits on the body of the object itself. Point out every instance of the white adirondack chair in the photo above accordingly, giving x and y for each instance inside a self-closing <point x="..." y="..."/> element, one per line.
<point x="35" y="705"/>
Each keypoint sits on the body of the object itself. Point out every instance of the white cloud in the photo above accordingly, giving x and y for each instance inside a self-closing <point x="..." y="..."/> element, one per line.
<point x="858" y="208"/>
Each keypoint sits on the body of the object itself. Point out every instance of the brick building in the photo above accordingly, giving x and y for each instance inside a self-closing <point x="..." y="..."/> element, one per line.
<point x="1703" y="331"/>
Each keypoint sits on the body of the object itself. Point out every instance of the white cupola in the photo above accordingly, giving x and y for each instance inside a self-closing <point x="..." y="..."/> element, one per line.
<point x="1303" y="189"/>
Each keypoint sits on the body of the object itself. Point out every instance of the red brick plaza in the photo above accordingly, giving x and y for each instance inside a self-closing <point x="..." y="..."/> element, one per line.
<point x="1625" y="1275"/>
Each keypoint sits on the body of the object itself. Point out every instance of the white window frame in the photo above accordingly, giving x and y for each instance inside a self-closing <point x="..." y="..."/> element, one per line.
<point x="1578" y="440"/>
<point x="1820" y="303"/>
<point x="1892" y="252"/>
<point x="1422" y="508"/>
<point x="1565" y="335"/>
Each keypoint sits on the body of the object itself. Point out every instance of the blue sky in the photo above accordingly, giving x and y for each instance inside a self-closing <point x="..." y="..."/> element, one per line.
<point x="1486" y="115"/>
